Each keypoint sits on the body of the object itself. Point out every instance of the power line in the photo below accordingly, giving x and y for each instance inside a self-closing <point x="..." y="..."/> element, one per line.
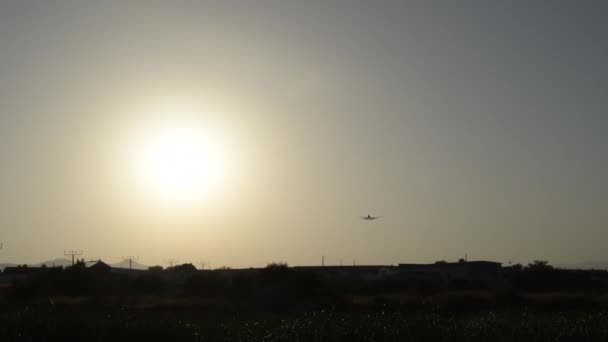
<point x="72" y="254"/>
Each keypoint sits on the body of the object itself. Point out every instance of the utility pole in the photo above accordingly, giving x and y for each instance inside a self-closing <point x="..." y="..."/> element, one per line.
<point x="322" y="260"/>
<point x="130" y="259"/>
<point x="202" y="264"/>
<point x="171" y="262"/>
<point x="72" y="254"/>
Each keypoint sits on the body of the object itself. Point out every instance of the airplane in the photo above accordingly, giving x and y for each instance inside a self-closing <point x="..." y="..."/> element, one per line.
<point x="370" y="217"/>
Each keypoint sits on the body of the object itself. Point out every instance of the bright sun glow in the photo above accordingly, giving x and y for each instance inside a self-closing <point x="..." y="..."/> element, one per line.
<point x="180" y="162"/>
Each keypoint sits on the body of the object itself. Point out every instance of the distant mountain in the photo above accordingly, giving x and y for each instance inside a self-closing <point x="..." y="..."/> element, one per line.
<point x="125" y="264"/>
<point x="54" y="263"/>
<point x="48" y="263"/>
<point x="62" y="262"/>
<point x="587" y="265"/>
<point x="5" y="265"/>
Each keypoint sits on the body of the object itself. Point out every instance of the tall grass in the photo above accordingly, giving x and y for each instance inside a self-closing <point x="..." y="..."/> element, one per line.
<point x="47" y="323"/>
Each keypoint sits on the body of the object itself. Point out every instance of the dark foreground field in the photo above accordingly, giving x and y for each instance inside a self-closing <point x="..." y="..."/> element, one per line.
<point x="92" y="322"/>
<point x="278" y="303"/>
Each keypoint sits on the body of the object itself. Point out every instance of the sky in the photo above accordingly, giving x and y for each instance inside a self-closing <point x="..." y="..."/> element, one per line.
<point x="474" y="127"/>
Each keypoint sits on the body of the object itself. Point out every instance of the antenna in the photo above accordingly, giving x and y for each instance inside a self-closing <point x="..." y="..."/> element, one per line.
<point x="72" y="254"/>
<point x="322" y="260"/>
<point x="202" y="264"/>
<point x="171" y="261"/>
<point x="130" y="259"/>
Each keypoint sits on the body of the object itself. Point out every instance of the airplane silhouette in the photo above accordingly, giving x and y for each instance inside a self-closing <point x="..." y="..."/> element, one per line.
<point x="370" y="217"/>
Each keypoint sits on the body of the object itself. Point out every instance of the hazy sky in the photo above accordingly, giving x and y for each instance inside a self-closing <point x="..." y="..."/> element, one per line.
<point x="474" y="127"/>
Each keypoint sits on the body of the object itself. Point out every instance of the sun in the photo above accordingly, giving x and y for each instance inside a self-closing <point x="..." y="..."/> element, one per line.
<point x="179" y="162"/>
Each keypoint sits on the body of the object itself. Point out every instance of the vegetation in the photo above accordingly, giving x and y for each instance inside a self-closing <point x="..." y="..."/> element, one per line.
<point x="280" y="303"/>
<point x="282" y="284"/>
<point x="49" y="323"/>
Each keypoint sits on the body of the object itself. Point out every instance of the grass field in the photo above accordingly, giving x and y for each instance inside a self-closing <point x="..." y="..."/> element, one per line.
<point x="84" y="323"/>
